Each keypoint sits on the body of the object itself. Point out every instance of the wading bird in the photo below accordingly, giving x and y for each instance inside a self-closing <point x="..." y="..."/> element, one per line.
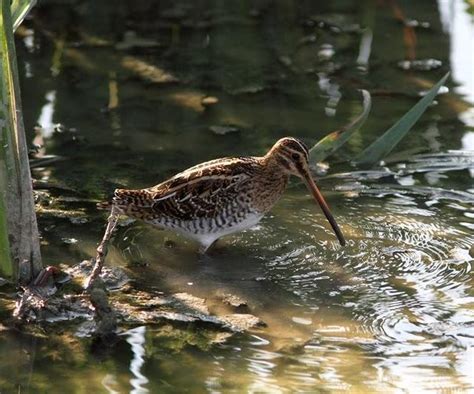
<point x="223" y="196"/>
<point x="216" y="198"/>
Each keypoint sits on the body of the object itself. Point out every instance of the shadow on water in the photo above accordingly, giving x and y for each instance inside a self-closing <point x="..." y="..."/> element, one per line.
<point x="128" y="94"/>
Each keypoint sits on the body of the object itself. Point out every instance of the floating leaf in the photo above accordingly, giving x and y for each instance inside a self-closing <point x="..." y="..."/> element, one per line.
<point x="385" y="143"/>
<point x="147" y="71"/>
<point x="333" y="141"/>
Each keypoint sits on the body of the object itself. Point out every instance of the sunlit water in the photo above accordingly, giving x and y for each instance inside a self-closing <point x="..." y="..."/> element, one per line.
<point x="393" y="311"/>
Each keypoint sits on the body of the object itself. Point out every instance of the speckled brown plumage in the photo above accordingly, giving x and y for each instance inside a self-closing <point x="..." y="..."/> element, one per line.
<point x="219" y="197"/>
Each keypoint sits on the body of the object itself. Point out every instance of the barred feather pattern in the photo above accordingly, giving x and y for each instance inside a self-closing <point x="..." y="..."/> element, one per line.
<point x="214" y="198"/>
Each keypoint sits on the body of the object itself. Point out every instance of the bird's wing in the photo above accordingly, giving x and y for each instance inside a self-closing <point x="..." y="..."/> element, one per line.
<point x="201" y="191"/>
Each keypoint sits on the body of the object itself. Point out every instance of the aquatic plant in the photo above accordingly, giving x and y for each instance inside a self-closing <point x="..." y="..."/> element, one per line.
<point x="383" y="145"/>
<point x="20" y="257"/>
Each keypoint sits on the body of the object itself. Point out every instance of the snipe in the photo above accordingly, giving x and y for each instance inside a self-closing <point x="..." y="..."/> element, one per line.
<point x="223" y="196"/>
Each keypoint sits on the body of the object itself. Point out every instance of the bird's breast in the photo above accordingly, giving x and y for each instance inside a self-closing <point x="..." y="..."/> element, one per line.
<point x="267" y="192"/>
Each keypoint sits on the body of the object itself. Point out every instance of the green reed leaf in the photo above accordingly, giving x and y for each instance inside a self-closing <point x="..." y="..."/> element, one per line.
<point x="19" y="10"/>
<point x="6" y="263"/>
<point x="333" y="141"/>
<point x="19" y="240"/>
<point x="381" y="147"/>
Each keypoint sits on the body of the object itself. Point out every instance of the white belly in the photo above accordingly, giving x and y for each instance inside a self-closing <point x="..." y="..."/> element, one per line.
<point x="207" y="236"/>
<point x="206" y="240"/>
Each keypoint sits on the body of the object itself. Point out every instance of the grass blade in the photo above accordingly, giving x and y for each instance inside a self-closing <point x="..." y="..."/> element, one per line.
<point x="19" y="9"/>
<point x="6" y="262"/>
<point x="333" y="141"/>
<point x="17" y="218"/>
<point x="381" y="147"/>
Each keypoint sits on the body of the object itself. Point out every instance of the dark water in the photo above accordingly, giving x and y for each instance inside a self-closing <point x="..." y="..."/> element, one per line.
<point x="118" y="87"/>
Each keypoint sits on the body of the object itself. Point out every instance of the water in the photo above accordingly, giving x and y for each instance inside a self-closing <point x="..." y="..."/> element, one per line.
<point x="391" y="312"/>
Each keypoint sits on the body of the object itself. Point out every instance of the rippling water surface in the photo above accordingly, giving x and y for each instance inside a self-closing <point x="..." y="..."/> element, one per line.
<point x="393" y="311"/>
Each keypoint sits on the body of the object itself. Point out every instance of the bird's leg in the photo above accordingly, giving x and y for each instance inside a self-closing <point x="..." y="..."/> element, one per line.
<point x="102" y="248"/>
<point x="204" y="250"/>
<point x="205" y="247"/>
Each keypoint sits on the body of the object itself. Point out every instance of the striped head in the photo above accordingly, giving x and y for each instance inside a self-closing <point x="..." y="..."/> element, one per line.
<point x="292" y="156"/>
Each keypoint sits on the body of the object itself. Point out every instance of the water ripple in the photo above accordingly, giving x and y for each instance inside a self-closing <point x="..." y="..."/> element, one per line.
<point x="400" y="293"/>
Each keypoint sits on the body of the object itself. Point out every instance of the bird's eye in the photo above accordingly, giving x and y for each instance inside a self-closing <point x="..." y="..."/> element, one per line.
<point x="295" y="156"/>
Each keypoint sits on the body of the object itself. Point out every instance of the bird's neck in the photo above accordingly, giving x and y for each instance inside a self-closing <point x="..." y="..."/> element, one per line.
<point x="271" y="164"/>
<point x="270" y="184"/>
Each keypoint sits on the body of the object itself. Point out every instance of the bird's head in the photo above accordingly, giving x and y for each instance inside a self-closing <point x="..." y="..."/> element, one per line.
<point x="292" y="156"/>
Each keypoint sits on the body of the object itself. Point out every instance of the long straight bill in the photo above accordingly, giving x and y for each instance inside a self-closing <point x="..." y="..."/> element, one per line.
<point x="324" y="206"/>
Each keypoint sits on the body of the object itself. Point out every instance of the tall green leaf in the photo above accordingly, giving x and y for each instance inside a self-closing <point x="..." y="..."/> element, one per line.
<point x="17" y="218"/>
<point x="19" y="9"/>
<point x="6" y="263"/>
<point x="385" y="143"/>
<point x="333" y="141"/>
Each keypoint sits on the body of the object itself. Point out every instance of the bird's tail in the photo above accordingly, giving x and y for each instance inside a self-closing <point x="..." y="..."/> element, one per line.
<point x="124" y="199"/>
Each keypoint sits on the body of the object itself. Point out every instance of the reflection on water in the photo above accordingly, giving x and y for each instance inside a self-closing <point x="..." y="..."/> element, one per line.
<point x="391" y="312"/>
<point x="45" y="120"/>
<point x="458" y="23"/>
<point x="136" y="338"/>
<point x="460" y="26"/>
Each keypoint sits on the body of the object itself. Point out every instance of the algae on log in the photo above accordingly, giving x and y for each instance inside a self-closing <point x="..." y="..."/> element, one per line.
<point x="19" y="252"/>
